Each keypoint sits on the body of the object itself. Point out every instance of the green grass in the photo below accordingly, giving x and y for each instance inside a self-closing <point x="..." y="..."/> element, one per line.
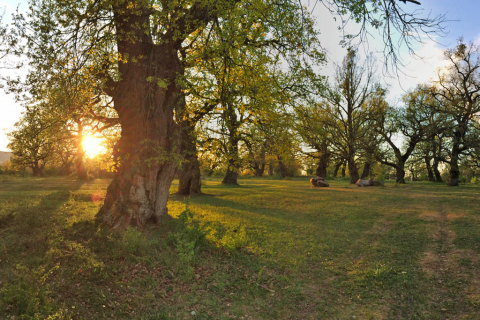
<point x="266" y="249"/>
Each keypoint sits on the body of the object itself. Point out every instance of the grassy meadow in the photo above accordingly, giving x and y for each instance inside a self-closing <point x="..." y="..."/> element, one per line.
<point x="266" y="249"/>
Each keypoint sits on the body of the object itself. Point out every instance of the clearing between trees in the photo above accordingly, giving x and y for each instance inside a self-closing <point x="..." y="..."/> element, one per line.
<point x="266" y="249"/>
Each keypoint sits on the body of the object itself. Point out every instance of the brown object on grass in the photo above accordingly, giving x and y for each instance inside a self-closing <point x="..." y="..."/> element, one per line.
<point x="318" y="182"/>
<point x="369" y="183"/>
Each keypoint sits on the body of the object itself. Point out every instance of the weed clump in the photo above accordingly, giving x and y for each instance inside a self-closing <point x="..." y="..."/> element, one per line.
<point x="188" y="238"/>
<point x="27" y="296"/>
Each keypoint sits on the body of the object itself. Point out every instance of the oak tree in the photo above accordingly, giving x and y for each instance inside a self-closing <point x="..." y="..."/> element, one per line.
<point x="457" y="90"/>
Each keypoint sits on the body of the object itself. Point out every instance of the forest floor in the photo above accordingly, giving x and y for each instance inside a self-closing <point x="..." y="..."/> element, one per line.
<point x="266" y="249"/>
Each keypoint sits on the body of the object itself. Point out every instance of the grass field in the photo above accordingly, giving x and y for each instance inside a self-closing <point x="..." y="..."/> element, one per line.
<point x="267" y="249"/>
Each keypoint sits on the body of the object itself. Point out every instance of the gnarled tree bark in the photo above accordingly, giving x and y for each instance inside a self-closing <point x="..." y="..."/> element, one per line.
<point x="438" y="176"/>
<point x="189" y="180"/>
<point x="233" y="165"/>
<point x="366" y="170"/>
<point x="323" y="161"/>
<point x="337" y="167"/>
<point x="37" y="169"/>
<point x="428" y="165"/>
<point x="149" y="147"/>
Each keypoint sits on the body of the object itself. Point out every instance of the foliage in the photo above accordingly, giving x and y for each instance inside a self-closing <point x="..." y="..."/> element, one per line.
<point x="188" y="239"/>
<point x="386" y="16"/>
<point x="34" y="139"/>
<point x="416" y="121"/>
<point x="28" y="297"/>
<point x="8" y="168"/>
<point x="10" y="47"/>
<point x="456" y="91"/>
<point x="338" y="126"/>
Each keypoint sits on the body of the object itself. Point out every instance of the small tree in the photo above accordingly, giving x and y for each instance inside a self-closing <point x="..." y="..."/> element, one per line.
<point x="312" y="126"/>
<point x="33" y="140"/>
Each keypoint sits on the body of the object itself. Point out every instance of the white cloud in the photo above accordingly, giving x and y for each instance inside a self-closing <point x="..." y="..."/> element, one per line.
<point x="7" y="6"/>
<point x="477" y="40"/>
<point x="11" y="113"/>
<point x="420" y="68"/>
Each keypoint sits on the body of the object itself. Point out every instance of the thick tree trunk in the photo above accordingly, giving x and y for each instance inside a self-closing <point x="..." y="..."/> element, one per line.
<point x="344" y="169"/>
<point x="351" y="142"/>
<point x="366" y="170"/>
<point x="322" y="165"/>
<point x="282" y="169"/>
<point x="150" y="140"/>
<point x="429" y="169"/>
<point x="189" y="176"/>
<point x="414" y="175"/>
<point x="260" y="170"/>
<point x="233" y="162"/>
<point x="454" y="177"/>
<point x="321" y="170"/>
<point x="37" y="169"/>
<point x="438" y="176"/>
<point x="352" y="170"/>
<point x="437" y="149"/>
<point x="270" y="168"/>
<point x="335" y="170"/>
<point x="230" y="177"/>
<point x="400" y="174"/>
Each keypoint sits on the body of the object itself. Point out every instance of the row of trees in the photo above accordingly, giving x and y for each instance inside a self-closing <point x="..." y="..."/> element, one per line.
<point x="437" y="122"/>
<point x="233" y="78"/>
<point x="349" y="123"/>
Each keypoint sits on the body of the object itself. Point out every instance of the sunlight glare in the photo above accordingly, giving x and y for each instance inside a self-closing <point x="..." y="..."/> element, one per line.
<point x="92" y="146"/>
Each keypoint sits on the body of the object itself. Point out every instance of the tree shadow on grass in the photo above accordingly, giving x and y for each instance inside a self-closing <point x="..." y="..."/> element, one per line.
<point x="27" y="231"/>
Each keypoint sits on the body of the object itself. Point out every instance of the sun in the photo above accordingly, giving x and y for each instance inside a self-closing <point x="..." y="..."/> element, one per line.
<point x="92" y="146"/>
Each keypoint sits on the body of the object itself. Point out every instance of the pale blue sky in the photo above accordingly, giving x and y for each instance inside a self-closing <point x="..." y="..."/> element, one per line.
<point x="464" y="16"/>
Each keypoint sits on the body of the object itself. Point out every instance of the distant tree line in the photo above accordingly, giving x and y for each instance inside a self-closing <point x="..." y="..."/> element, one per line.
<point x="267" y="124"/>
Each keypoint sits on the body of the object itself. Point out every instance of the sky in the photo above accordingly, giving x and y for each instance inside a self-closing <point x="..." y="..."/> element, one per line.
<point x="462" y="16"/>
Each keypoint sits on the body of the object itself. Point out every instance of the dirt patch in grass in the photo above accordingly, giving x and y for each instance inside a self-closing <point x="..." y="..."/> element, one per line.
<point x="430" y="263"/>
<point x="430" y="215"/>
<point x="381" y="227"/>
<point x="453" y="216"/>
<point x="454" y="279"/>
